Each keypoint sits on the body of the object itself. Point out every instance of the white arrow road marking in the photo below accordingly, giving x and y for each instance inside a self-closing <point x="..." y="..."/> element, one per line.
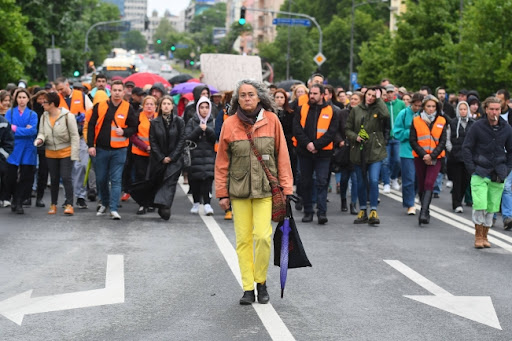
<point x="16" y="307"/>
<point x="476" y="308"/>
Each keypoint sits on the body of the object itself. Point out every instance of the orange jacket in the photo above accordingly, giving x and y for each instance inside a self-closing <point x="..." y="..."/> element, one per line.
<point x="119" y="121"/>
<point x="427" y="139"/>
<point x="322" y="125"/>
<point x="238" y="173"/>
<point x="142" y="134"/>
<point x="77" y="102"/>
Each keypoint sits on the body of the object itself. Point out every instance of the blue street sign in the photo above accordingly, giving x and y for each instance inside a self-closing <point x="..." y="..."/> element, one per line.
<point x="291" y="22"/>
<point x="353" y="78"/>
<point x="181" y="46"/>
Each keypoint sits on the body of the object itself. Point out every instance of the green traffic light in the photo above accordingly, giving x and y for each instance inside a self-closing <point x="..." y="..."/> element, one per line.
<point x="76" y="73"/>
<point x="158" y="41"/>
<point x="173" y="48"/>
<point x="192" y="62"/>
<point x="241" y="21"/>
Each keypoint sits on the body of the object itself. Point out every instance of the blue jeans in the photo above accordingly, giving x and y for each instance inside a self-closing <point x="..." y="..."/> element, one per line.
<point x="408" y="180"/>
<point x="506" y="199"/>
<point x="438" y="186"/>
<point x="347" y="174"/>
<point x="109" y="168"/>
<point x="391" y="165"/>
<point x="373" y="172"/>
<point x="319" y="166"/>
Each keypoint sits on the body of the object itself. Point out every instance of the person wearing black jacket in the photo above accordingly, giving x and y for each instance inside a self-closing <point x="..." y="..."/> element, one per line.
<point x="6" y="148"/>
<point x="167" y="139"/>
<point x="487" y="152"/>
<point x="314" y="126"/>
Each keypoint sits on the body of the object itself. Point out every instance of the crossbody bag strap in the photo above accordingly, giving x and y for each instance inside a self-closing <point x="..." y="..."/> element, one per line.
<point x="270" y="177"/>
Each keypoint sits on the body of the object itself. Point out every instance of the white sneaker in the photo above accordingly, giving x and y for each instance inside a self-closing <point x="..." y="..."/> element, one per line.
<point x="101" y="210"/>
<point x="6" y="203"/>
<point x="449" y="184"/>
<point x="208" y="210"/>
<point x="459" y="209"/>
<point x="411" y="211"/>
<point x="195" y="208"/>
<point x="114" y="215"/>
<point x="387" y="189"/>
<point x="395" y="185"/>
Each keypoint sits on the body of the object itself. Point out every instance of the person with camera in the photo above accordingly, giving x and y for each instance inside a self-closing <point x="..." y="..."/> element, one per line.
<point x="366" y="129"/>
<point x="487" y="152"/>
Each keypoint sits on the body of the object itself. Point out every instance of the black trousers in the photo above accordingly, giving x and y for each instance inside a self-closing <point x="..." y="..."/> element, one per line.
<point x="461" y="179"/>
<point x="42" y="173"/>
<point x="201" y="189"/>
<point x="61" y="168"/>
<point x="140" y="166"/>
<point x="19" y="182"/>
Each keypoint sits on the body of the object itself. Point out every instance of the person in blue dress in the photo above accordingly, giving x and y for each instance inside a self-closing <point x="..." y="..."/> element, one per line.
<point x="23" y="159"/>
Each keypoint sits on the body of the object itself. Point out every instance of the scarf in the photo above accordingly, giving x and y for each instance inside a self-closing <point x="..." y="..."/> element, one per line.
<point x="462" y="121"/>
<point x="167" y="118"/>
<point x="248" y="118"/>
<point x="428" y="118"/>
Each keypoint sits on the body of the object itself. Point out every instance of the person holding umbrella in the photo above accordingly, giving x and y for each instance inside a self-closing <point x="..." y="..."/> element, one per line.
<point x="241" y="180"/>
<point x="365" y="130"/>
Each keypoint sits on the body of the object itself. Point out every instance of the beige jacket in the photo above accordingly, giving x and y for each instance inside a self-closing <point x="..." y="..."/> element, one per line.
<point x="63" y="134"/>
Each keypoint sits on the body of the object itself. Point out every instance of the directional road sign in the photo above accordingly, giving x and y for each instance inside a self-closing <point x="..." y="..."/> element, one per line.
<point x="291" y="22"/>
<point x="319" y="58"/>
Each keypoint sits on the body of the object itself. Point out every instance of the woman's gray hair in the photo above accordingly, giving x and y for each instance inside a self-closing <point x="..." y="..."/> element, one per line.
<point x="266" y="100"/>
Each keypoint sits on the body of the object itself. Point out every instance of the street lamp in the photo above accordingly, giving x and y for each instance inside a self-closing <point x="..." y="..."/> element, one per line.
<point x="354" y="5"/>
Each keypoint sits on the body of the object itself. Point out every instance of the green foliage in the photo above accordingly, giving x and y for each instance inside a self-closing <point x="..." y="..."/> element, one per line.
<point x="16" y="49"/>
<point x="226" y="44"/>
<point x="376" y="59"/>
<point x="214" y="16"/>
<point x="135" y="41"/>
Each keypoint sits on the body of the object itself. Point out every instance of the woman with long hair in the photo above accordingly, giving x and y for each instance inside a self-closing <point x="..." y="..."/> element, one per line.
<point x="58" y="132"/>
<point x="166" y="139"/>
<point x="5" y="101"/>
<point x="24" y="157"/>
<point x="285" y="114"/>
<point x="140" y="152"/>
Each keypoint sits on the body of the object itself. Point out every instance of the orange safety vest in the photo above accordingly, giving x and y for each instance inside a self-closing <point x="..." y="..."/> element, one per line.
<point x="303" y="99"/>
<point x="119" y="121"/>
<point x="322" y="125"/>
<point x="142" y="134"/>
<point x="77" y="102"/>
<point x="427" y="139"/>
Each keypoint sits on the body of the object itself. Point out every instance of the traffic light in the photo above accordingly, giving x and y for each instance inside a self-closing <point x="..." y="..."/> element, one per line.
<point x="192" y="63"/>
<point x="76" y="73"/>
<point x="146" y="23"/>
<point x="241" y="21"/>
<point x="158" y="41"/>
<point x="173" y="48"/>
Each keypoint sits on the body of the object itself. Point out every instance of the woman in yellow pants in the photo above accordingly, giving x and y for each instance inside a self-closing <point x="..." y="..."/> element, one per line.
<point x="241" y="181"/>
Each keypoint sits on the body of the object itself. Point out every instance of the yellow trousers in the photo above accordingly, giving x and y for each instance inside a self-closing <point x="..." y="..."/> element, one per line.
<point x="252" y="220"/>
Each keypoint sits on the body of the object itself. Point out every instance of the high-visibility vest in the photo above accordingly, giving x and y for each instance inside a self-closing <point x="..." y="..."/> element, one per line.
<point x="303" y="99"/>
<point x="142" y="134"/>
<point x="322" y="125"/>
<point x="429" y="139"/>
<point x="119" y="121"/>
<point x="77" y="102"/>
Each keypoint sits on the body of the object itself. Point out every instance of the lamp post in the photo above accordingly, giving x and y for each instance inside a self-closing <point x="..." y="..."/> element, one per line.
<point x="351" y="65"/>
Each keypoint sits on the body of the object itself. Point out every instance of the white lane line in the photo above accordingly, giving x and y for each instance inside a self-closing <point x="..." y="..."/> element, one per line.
<point x="266" y="312"/>
<point x="459" y="222"/>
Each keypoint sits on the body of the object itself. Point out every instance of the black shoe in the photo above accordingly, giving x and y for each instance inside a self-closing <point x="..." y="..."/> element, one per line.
<point x="80" y="203"/>
<point x="141" y="210"/>
<point x="507" y="224"/>
<point x="436" y="195"/>
<point x="424" y="217"/>
<point x="39" y="203"/>
<point x="248" y="298"/>
<point x="298" y="205"/>
<point x="27" y="202"/>
<point x="19" y="210"/>
<point x="353" y="209"/>
<point x="151" y="209"/>
<point x="374" y="218"/>
<point x="362" y="217"/>
<point x="322" y="219"/>
<point x="13" y="207"/>
<point x="91" y="195"/>
<point x="164" y="213"/>
<point x="308" y="217"/>
<point x="263" y="296"/>
<point x="344" y="207"/>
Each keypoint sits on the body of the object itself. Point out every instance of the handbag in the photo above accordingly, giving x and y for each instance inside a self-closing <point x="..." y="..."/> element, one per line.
<point x="278" y="197"/>
<point x="187" y="159"/>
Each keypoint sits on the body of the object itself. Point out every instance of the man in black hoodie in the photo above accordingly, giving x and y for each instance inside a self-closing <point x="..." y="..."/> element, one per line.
<point x="314" y="126"/>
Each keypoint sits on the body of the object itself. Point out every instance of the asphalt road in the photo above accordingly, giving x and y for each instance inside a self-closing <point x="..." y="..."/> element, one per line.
<point x="179" y="279"/>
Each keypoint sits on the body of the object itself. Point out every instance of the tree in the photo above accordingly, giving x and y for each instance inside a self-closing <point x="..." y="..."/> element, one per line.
<point x="214" y="16"/>
<point x="482" y="60"/>
<point x="16" y="49"/>
<point x="135" y="41"/>
<point x="376" y="59"/>
<point x="226" y="44"/>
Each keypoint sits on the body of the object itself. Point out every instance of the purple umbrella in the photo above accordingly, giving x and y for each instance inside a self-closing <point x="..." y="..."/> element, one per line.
<point x="185" y="88"/>
<point x="285" y="244"/>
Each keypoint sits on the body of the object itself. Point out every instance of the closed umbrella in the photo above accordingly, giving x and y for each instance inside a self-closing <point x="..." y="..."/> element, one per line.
<point x="142" y="78"/>
<point x="185" y="88"/>
<point x="181" y="78"/>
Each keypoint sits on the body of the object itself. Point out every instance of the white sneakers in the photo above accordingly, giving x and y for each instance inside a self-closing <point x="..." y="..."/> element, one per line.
<point x="114" y="215"/>
<point x="5" y="203"/>
<point x="101" y="210"/>
<point x="411" y="211"/>
<point x="458" y="209"/>
<point x="449" y="184"/>
<point x="208" y="210"/>
<point x="387" y="189"/>
<point x="395" y="185"/>
<point x="195" y="208"/>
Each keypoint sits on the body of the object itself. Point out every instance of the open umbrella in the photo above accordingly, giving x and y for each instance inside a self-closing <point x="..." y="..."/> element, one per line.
<point x="185" y="88"/>
<point x="181" y="78"/>
<point x="287" y="85"/>
<point x="142" y="78"/>
<point x="289" y="252"/>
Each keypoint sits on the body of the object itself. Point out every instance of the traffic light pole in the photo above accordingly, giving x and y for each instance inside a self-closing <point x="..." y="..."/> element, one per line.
<point x="86" y="47"/>
<point x="297" y="15"/>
